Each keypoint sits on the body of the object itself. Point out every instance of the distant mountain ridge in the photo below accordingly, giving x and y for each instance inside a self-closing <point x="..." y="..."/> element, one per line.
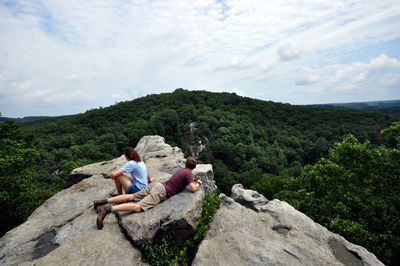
<point x="391" y="107"/>
<point x="24" y="119"/>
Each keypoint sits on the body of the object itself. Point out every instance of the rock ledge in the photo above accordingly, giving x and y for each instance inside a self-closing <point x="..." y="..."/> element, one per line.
<point x="250" y="230"/>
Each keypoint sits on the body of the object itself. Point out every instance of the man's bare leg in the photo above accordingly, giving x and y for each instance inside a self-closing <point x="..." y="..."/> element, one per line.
<point x="121" y="198"/>
<point x="127" y="207"/>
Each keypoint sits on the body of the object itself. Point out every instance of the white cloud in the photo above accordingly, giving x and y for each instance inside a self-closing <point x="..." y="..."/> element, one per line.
<point x="306" y="76"/>
<point x="38" y="94"/>
<point x="73" y="77"/>
<point x="133" y="48"/>
<point x="391" y="80"/>
<point x="288" y="52"/>
<point x="379" y="75"/>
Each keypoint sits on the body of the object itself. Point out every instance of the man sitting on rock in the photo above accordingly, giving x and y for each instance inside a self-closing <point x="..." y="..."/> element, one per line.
<point x="151" y="195"/>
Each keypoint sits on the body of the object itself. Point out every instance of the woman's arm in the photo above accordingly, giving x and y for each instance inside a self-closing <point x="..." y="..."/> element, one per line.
<point x="116" y="173"/>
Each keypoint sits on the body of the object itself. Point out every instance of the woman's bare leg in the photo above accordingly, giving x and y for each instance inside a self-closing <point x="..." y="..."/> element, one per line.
<point x="122" y="181"/>
<point x="118" y="186"/>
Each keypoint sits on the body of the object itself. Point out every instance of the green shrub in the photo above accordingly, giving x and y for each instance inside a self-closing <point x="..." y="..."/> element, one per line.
<point x="211" y="204"/>
<point x="162" y="253"/>
<point x="167" y="252"/>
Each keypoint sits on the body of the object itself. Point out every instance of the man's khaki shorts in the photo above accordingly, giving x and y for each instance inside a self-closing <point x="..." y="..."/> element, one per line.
<point x="149" y="197"/>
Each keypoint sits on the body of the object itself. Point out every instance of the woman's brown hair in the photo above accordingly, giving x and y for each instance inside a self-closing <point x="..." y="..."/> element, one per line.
<point x="132" y="154"/>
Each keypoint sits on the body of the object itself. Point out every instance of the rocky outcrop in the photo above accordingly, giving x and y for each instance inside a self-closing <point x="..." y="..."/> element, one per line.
<point x="195" y="144"/>
<point x="248" y="229"/>
<point x="63" y="231"/>
<point x="262" y="232"/>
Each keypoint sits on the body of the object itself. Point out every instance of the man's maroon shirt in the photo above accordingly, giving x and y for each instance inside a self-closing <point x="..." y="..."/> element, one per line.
<point x="178" y="182"/>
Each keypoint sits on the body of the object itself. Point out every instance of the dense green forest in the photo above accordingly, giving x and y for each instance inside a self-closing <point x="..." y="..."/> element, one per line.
<point x="20" y="194"/>
<point x="281" y="150"/>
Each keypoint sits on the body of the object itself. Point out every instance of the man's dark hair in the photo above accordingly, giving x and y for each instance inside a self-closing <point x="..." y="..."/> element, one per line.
<point x="190" y="163"/>
<point x="132" y="154"/>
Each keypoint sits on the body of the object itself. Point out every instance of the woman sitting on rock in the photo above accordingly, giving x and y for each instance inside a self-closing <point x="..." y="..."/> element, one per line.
<point x="150" y="196"/>
<point x="135" y="168"/>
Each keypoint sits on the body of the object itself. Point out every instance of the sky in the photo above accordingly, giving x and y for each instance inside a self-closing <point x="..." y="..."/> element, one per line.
<point x="67" y="57"/>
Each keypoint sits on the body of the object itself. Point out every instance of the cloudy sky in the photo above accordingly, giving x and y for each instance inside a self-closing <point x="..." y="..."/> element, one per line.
<point x="65" y="57"/>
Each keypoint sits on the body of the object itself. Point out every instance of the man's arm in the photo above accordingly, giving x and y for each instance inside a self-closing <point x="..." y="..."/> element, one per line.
<point x="195" y="186"/>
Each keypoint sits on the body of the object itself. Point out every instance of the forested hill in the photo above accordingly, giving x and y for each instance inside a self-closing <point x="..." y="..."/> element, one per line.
<point x="244" y="133"/>
<point x="273" y="148"/>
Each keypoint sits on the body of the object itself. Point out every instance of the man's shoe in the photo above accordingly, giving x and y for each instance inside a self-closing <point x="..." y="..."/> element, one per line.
<point x="99" y="203"/>
<point x="102" y="212"/>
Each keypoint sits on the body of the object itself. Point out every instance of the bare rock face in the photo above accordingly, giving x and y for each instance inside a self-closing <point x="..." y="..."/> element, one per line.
<point x="195" y="143"/>
<point x="273" y="233"/>
<point x="62" y="231"/>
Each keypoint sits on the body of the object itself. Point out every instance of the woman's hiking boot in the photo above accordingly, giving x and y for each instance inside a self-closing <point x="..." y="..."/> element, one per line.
<point x="99" y="203"/>
<point x="102" y="212"/>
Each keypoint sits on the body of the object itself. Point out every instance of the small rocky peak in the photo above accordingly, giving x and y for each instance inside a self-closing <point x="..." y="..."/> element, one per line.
<point x="248" y="198"/>
<point x="195" y="143"/>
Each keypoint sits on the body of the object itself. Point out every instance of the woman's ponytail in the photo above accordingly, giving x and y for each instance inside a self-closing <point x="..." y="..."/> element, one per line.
<point x="132" y="154"/>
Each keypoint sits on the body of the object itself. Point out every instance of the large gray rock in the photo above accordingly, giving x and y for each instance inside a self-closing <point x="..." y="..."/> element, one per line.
<point x="275" y="234"/>
<point x="179" y="214"/>
<point x="62" y="231"/>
